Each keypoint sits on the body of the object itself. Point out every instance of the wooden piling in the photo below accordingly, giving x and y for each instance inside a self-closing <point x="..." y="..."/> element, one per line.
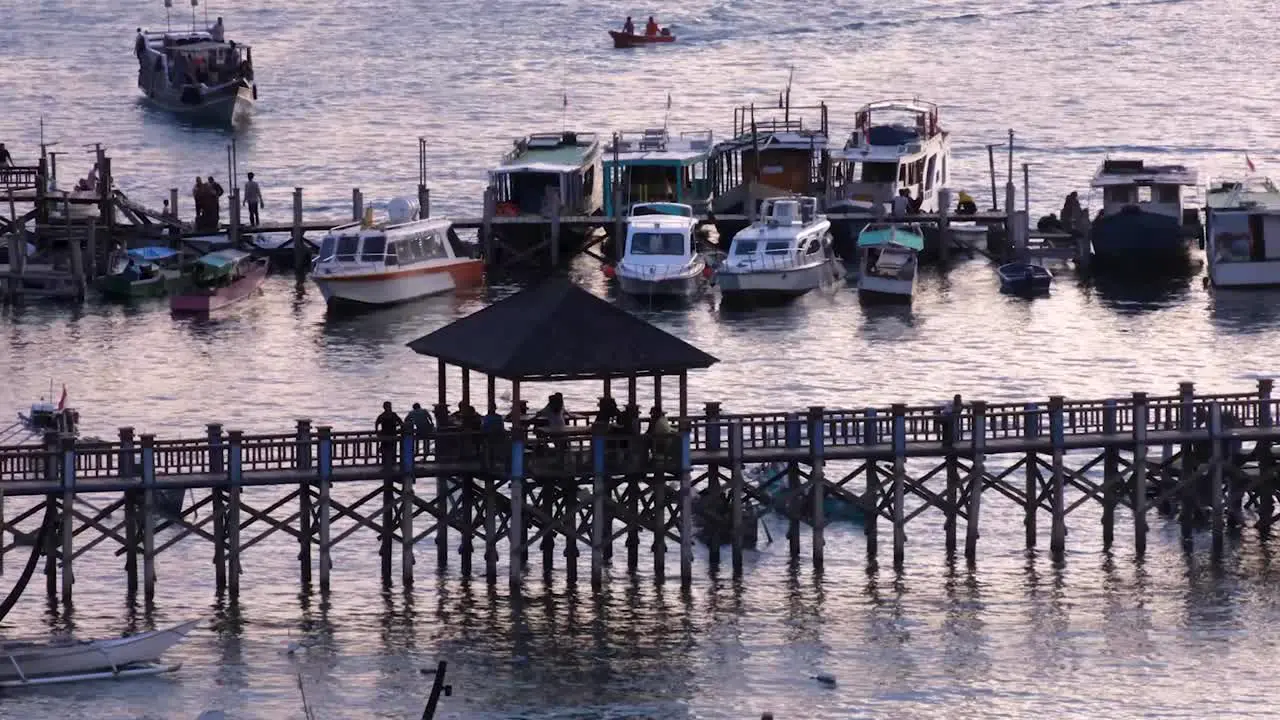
<point x="515" y="526"/>
<point x="91" y="251"/>
<point x="1139" y="498"/>
<point x="148" y="519"/>
<point x="1188" y="501"/>
<point x="68" y="517"/>
<point x="546" y="503"/>
<point x="817" y="443"/>
<point x="951" y="501"/>
<point x="387" y="525"/>
<point x="299" y="245"/>
<point x="599" y="532"/>
<point x="1111" y="480"/>
<point x="1215" y="476"/>
<point x="899" y="484"/>
<point x="303" y="463"/>
<point x="977" y="479"/>
<point x="686" y="511"/>
<point x="1266" y="474"/>
<point x="944" y="226"/>
<point x="357" y="205"/>
<point x="466" y="548"/>
<point x="324" y="474"/>
<point x="424" y="202"/>
<point x="871" y="498"/>
<point x="2" y="531"/>
<point x="219" y="495"/>
<point x="712" y="411"/>
<point x="233" y="217"/>
<point x="1058" y="536"/>
<point x="445" y="512"/>
<point x="793" y="486"/>
<point x="737" y="529"/>
<point x="1031" y="499"/>
<point x="569" y="490"/>
<point x="408" y="447"/>
<point x="658" y="487"/>
<point x="235" y="470"/>
<point x="491" y="529"/>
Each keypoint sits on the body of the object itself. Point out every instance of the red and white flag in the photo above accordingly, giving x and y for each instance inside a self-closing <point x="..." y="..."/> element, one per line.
<point x="62" y="401"/>
<point x="1249" y="162"/>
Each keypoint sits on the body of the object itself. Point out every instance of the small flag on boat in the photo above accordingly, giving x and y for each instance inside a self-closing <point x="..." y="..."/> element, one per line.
<point x="62" y="401"/>
<point x="1249" y="163"/>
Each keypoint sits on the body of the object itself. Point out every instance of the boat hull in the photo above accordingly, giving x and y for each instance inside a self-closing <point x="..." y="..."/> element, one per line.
<point x="878" y="289"/>
<point x="1136" y="241"/>
<point x="629" y="40"/>
<point x="1020" y="280"/>
<point x="40" y="660"/>
<point x="224" y="109"/>
<point x="121" y="288"/>
<point x="390" y="288"/>
<point x="205" y="301"/>
<point x="664" y="287"/>
<point x="779" y="284"/>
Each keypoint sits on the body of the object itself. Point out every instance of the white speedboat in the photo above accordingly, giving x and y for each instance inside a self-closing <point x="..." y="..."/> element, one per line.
<point x="661" y="257"/>
<point x="196" y="75"/>
<point x="784" y="255"/>
<point x="1243" y="233"/>
<point x="403" y="259"/>
<point x="40" y="663"/>
<point x="888" y="261"/>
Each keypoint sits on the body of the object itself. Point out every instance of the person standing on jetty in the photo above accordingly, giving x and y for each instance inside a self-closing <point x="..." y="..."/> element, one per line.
<point x="217" y="32"/>
<point x="214" y="210"/>
<point x="388" y="425"/>
<point x="252" y="199"/>
<point x="198" y="198"/>
<point x="6" y="160"/>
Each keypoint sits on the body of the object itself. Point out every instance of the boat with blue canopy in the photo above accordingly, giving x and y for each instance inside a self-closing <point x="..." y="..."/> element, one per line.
<point x="152" y="271"/>
<point x="888" y="261"/>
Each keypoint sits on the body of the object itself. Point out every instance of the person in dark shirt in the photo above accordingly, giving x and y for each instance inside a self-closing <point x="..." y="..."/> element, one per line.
<point x="388" y="425"/>
<point x="5" y="158"/>
<point x="629" y="27"/>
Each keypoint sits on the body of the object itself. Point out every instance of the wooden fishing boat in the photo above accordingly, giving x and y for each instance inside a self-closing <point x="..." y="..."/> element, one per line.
<point x="143" y="272"/>
<point x="1022" y="278"/>
<point x="220" y="279"/>
<point x="41" y="663"/>
<point x="629" y="40"/>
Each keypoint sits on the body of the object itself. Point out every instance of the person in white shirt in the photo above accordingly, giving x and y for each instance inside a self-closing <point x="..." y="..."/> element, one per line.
<point x="217" y="31"/>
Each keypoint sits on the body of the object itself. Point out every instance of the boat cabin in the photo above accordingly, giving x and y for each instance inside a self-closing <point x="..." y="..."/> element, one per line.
<point x="653" y="166"/>
<point x="545" y="168"/>
<point x="895" y="145"/>
<point x="1131" y="185"/>
<point x="659" y="233"/>
<point x="790" y="230"/>
<point x="784" y="155"/>
<point x="220" y="269"/>
<point x="47" y="417"/>
<point x="360" y="248"/>
<point x="191" y="59"/>
<point x="1243" y="233"/>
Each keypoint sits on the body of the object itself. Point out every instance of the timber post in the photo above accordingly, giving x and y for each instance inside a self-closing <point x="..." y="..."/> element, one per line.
<point x="1058" y="535"/>
<point x="661" y="453"/>
<point x="556" y="205"/>
<point x="793" y="486"/>
<point x="148" y="519"/>
<point x="68" y="517"/>
<point x="357" y="205"/>
<point x="1188" y="502"/>
<point x="817" y="440"/>
<point x="1215" y="475"/>
<point x="299" y="247"/>
<point x="977" y="479"/>
<point x="408" y="447"/>
<point x="442" y="489"/>
<point x="235" y="474"/>
<point x="737" y="529"/>
<point x="303" y="462"/>
<point x="712" y="411"/>
<point x="1031" y="497"/>
<point x="944" y="225"/>
<point x="871" y="499"/>
<point x="233" y="213"/>
<point x="1111" y="480"/>
<point x="1139" y="497"/>
<point x="1267" y="484"/>
<point x="515" y="526"/>
<point x="899" y="484"/>
<point x="600" y="533"/>
<point x="686" y="510"/>
<point x="424" y="202"/>
<point x="324" y="474"/>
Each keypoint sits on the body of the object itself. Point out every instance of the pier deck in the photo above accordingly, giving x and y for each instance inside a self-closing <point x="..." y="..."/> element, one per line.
<point x="1208" y="460"/>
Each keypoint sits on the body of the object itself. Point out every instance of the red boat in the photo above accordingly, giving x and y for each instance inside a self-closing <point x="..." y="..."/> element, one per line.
<point x="220" y="278"/>
<point x="626" y="40"/>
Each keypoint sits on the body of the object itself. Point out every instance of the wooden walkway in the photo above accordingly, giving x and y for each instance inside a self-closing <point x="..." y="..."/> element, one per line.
<point x="1207" y="460"/>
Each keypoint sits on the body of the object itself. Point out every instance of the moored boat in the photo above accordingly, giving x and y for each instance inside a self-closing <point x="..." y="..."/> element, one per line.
<point x="403" y="259"/>
<point x="143" y="272"/>
<point x="220" y="279"/>
<point x="197" y="74"/>
<point x="889" y="261"/>
<point x="1143" y="226"/>
<point x="784" y="255"/>
<point x="36" y="663"/>
<point x="1023" y="278"/>
<point x="1242" y="233"/>
<point x="661" y="257"/>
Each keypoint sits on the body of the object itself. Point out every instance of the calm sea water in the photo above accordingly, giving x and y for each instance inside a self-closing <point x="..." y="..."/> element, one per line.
<point x="346" y="88"/>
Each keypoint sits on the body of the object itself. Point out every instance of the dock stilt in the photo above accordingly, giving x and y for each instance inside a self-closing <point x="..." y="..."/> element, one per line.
<point x="303" y="462"/>
<point x="515" y="527"/>
<point x="659" y="490"/>
<point x="148" y="519"/>
<point x="977" y="480"/>
<point x="68" y="517"/>
<point x="1111" y="480"/>
<point x="470" y="504"/>
<point x="299" y="246"/>
<point x="736" y="525"/>
<point x="569" y="489"/>
<point x="1188" y="501"/>
<point x="793" y="487"/>
<point x="1218" y="527"/>
<point x="714" y="430"/>
<point x="686" y="512"/>
<point x="871" y="498"/>
<point x="132" y="500"/>
<point x="235" y="467"/>
<point x="491" y="529"/>
<point x="324" y="474"/>
<point x="817" y="479"/>
<point x="1267" y="483"/>
<point x="599" y="531"/>
<point x="1031" y="499"/>
<point x="899" y="485"/>
<point x="407" y="507"/>
<point x="1139" y="498"/>
<point x="1058" y="538"/>
<point x="219" y="495"/>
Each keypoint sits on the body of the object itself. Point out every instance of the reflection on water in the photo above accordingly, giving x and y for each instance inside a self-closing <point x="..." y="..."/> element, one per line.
<point x="1245" y="311"/>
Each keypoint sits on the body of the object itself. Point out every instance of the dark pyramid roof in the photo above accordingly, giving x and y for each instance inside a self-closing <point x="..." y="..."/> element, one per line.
<point x="558" y="331"/>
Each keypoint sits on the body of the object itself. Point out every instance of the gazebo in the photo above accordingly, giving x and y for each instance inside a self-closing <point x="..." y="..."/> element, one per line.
<point x="554" y="332"/>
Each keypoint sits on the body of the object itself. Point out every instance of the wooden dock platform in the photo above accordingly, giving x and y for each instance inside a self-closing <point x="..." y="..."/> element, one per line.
<point x="1206" y="460"/>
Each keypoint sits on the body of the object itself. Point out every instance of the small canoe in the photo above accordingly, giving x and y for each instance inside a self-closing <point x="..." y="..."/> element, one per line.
<point x="28" y="663"/>
<point x="1024" y="278"/>
<point x="627" y="40"/>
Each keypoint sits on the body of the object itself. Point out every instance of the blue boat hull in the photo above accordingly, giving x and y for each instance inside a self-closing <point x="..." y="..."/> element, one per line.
<point x="1140" y="241"/>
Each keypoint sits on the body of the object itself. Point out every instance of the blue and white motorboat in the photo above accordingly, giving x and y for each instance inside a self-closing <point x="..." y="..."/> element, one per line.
<point x="660" y="257"/>
<point x="1143" y="225"/>
<point x="1022" y="278"/>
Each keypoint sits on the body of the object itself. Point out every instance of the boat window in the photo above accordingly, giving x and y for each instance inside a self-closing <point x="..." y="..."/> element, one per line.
<point x="347" y="247"/>
<point x="657" y="243"/>
<point x="1144" y="194"/>
<point x="744" y="247"/>
<point x="902" y="174"/>
<point x="327" y="246"/>
<point x="879" y="172"/>
<point x="393" y="257"/>
<point x="928" y="173"/>
<point x="1119" y="194"/>
<point x="777" y="247"/>
<point x="374" y="248"/>
<point x="432" y="246"/>
<point x="1167" y="194"/>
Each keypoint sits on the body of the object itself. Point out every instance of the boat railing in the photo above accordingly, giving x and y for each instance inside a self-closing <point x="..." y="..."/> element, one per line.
<point x="766" y="261"/>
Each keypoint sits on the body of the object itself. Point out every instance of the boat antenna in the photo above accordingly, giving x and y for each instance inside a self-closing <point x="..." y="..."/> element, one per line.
<point x="206" y="16"/>
<point x="168" y="6"/>
<point x="786" y="117"/>
<point x="667" y="116"/>
<point x="194" y="3"/>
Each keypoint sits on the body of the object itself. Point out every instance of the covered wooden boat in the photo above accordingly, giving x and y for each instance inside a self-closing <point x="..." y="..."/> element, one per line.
<point x="143" y="272"/>
<point x="1024" y="278"/>
<point x="627" y="40"/>
<point x="220" y="279"/>
<point x="38" y="663"/>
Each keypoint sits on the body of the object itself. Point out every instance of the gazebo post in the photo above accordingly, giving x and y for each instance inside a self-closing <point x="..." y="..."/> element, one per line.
<point x="466" y="386"/>
<point x="518" y="535"/>
<point x="492" y="390"/>
<point x="684" y="394"/>
<point x="631" y="390"/>
<point x="442" y="387"/>
<point x="657" y="391"/>
<point x="608" y="387"/>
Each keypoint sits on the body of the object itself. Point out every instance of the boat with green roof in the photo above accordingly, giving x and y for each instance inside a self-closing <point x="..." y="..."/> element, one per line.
<point x="889" y="261"/>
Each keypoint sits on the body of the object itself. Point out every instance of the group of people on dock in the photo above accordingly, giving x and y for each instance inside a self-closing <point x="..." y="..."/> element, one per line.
<point x="207" y="195"/>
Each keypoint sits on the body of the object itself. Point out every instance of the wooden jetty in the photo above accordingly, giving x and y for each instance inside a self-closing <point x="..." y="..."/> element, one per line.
<point x="1208" y="460"/>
